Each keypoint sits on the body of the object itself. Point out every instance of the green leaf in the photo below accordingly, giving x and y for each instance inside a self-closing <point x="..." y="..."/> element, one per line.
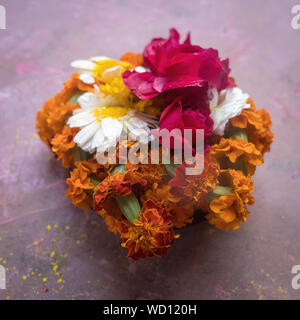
<point x="75" y="97"/>
<point x="171" y="169"/>
<point x="218" y="192"/>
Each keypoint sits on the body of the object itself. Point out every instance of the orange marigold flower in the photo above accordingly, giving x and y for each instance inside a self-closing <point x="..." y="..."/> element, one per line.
<point x="257" y="124"/>
<point x="79" y="183"/>
<point x="227" y="212"/>
<point x="233" y="149"/>
<point x="62" y="145"/>
<point x="264" y="138"/>
<point x="150" y="172"/>
<point x="242" y="185"/>
<point x="113" y="224"/>
<point x="52" y="117"/>
<point x="120" y="183"/>
<point x="195" y="187"/>
<point x="180" y="213"/>
<point x="91" y="166"/>
<point x="151" y="235"/>
<point x="135" y="59"/>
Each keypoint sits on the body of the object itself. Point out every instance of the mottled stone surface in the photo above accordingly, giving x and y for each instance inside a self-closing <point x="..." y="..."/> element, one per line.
<point x="54" y="251"/>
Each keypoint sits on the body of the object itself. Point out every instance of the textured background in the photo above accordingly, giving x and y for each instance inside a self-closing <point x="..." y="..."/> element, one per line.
<point x="54" y="251"/>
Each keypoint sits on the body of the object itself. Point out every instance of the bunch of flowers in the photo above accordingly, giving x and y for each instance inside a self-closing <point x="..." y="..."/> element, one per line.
<point x="172" y="85"/>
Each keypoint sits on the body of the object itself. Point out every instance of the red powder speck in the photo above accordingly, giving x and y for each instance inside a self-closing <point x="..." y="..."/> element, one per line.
<point x="25" y="68"/>
<point x="46" y="290"/>
<point x="294" y="174"/>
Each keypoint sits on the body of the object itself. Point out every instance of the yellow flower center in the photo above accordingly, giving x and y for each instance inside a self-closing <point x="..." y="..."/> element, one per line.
<point x="114" y="112"/>
<point x="103" y="65"/>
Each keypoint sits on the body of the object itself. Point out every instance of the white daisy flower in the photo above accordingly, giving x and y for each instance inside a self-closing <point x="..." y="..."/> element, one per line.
<point x="226" y="105"/>
<point x="102" y="122"/>
<point x="85" y="68"/>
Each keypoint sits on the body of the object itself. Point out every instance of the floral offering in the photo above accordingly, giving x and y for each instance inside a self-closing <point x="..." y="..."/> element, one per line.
<point x="173" y="86"/>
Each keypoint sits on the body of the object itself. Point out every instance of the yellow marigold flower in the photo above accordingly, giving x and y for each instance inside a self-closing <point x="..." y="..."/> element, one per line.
<point x="79" y="182"/>
<point x="62" y="145"/>
<point x="257" y="124"/>
<point x="231" y="151"/>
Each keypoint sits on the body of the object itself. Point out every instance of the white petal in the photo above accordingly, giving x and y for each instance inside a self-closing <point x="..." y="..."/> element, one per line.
<point x="96" y="90"/>
<point x="90" y="100"/>
<point x="110" y="101"/>
<point x="234" y="101"/>
<point x="112" y="128"/>
<point x="83" y="65"/>
<point x="88" y="147"/>
<point x="215" y="98"/>
<point x="80" y="119"/>
<point x="138" y="123"/>
<point x="140" y="69"/>
<point x="85" y="134"/>
<point x="87" y="78"/>
<point x="100" y="58"/>
<point x="111" y="73"/>
<point x="105" y="145"/>
<point x="141" y="135"/>
<point x="98" y="139"/>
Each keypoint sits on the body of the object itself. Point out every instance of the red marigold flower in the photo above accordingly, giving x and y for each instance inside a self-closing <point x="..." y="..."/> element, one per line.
<point x="116" y="184"/>
<point x="151" y="235"/>
<point x="174" y="65"/>
<point x="120" y="183"/>
<point x="194" y="188"/>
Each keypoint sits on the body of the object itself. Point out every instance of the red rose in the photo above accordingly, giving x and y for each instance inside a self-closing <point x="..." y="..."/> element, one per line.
<point x="173" y="65"/>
